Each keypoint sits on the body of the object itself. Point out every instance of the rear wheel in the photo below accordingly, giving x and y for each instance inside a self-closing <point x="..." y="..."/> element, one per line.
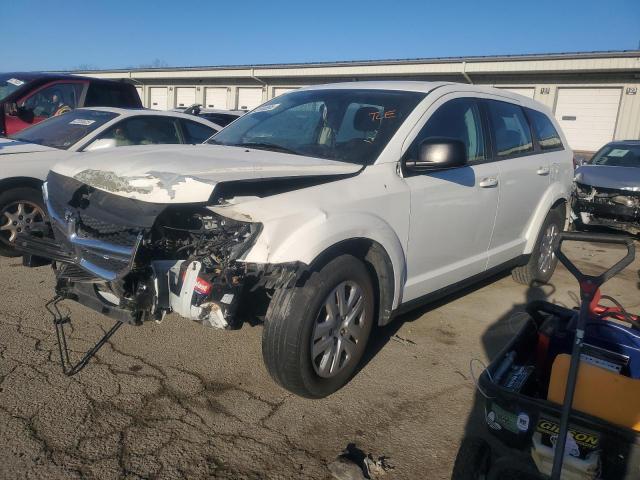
<point x="542" y="262"/>
<point x="21" y="211"/>
<point x="315" y="335"/>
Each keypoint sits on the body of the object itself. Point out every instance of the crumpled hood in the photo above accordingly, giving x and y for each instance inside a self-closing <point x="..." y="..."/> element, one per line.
<point x="621" y="178"/>
<point x="9" y="146"/>
<point x="187" y="174"/>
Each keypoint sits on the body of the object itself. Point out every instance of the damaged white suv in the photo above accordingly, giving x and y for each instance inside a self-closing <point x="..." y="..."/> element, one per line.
<point x="323" y="212"/>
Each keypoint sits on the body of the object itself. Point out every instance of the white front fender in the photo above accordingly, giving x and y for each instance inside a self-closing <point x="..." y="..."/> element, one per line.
<point x="320" y="230"/>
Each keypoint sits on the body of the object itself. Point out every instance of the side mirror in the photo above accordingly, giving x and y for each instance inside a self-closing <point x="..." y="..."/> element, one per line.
<point x="100" y="144"/>
<point x="438" y="154"/>
<point x="25" y="114"/>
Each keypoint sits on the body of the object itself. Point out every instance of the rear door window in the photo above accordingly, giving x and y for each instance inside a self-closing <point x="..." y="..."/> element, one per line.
<point x="112" y="95"/>
<point x="195" y="132"/>
<point x="548" y="137"/>
<point x="510" y="129"/>
<point x="143" y="130"/>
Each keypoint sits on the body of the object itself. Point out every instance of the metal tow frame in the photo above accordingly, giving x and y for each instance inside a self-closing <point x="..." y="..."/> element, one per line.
<point x="59" y="321"/>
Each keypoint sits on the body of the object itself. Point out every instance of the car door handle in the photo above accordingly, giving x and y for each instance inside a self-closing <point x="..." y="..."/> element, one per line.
<point x="543" y="171"/>
<point x="488" y="182"/>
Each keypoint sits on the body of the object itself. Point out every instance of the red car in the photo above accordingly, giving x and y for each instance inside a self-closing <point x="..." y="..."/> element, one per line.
<point x="29" y="98"/>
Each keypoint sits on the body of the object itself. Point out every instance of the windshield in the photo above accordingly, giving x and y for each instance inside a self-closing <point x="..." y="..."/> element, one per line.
<point x="346" y="125"/>
<point x="618" y="156"/>
<point x="8" y="85"/>
<point x="65" y="130"/>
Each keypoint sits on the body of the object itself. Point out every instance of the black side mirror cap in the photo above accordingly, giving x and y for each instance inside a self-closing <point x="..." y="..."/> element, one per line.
<point x="25" y="114"/>
<point x="438" y="154"/>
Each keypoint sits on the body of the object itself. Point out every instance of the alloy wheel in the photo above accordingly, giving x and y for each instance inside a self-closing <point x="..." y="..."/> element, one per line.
<point x="339" y="333"/>
<point x="547" y="253"/>
<point x="21" y="216"/>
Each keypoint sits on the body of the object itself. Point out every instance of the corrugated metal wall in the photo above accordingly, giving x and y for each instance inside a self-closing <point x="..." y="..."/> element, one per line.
<point x="545" y="74"/>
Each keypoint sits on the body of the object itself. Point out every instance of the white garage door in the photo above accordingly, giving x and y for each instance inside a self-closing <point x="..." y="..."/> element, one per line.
<point x="588" y="116"/>
<point x="185" y="96"/>
<point x="280" y="90"/>
<point x="215" y="97"/>
<point x="249" y="98"/>
<point x="526" y="91"/>
<point x="158" y="97"/>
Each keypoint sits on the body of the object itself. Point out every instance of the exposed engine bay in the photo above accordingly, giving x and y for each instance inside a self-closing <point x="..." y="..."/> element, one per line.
<point x="607" y="207"/>
<point x="135" y="261"/>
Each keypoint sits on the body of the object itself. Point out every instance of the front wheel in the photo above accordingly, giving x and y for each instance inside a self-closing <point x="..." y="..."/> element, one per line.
<point x="315" y="335"/>
<point x="542" y="262"/>
<point x="21" y="211"/>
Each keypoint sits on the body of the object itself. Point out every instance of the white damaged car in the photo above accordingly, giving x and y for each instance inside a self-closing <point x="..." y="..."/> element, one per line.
<point x="324" y="212"/>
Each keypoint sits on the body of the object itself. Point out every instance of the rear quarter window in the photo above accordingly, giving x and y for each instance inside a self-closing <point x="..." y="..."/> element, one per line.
<point x="548" y="137"/>
<point x="195" y="132"/>
<point x="112" y="95"/>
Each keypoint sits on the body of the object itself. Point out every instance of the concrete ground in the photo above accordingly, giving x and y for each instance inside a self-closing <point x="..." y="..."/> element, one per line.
<point x="177" y="400"/>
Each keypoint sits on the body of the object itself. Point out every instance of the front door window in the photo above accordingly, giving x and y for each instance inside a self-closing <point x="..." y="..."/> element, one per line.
<point x="53" y="100"/>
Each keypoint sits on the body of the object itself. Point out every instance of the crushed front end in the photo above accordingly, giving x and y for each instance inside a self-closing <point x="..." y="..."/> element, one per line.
<point x="607" y="207"/>
<point x="135" y="261"/>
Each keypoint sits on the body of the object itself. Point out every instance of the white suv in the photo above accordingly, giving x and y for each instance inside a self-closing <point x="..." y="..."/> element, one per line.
<point x="324" y="211"/>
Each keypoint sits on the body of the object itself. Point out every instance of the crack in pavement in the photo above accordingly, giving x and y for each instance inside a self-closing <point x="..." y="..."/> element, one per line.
<point x="131" y="418"/>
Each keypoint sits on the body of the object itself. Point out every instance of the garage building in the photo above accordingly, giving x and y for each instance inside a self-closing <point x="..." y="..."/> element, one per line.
<point x="595" y="96"/>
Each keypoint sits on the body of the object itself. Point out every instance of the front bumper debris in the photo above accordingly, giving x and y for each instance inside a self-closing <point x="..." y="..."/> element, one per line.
<point x="617" y="209"/>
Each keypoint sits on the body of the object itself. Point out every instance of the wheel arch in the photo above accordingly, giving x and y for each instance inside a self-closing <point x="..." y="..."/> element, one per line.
<point x="555" y="197"/>
<point x="561" y="202"/>
<point x="379" y="265"/>
<point x="20" y="182"/>
<point x="321" y="233"/>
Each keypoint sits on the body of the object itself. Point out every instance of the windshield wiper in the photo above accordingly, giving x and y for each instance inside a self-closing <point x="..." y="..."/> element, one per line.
<point x="266" y="146"/>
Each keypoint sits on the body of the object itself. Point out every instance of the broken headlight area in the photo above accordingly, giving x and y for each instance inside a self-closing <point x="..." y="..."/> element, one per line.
<point x="191" y="255"/>
<point x="134" y="261"/>
<point x="187" y="263"/>
<point x="597" y="206"/>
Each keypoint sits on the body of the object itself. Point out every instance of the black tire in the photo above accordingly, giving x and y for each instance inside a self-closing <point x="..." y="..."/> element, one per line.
<point x="473" y="460"/>
<point x="290" y="321"/>
<point x="8" y="199"/>
<point x="535" y="271"/>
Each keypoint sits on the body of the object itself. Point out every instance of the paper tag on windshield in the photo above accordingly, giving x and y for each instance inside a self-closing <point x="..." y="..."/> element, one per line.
<point x="81" y="121"/>
<point x="15" y="81"/>
<point x="267" y="108"/>
<point x="617" y="152"/>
